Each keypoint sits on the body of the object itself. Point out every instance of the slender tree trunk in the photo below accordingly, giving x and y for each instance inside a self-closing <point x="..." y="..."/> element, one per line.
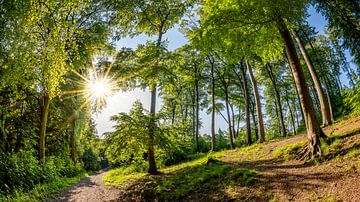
<point x="327" y="84"/>
<point x="319" y="90"/>
<point x="247" y="105"/>
<point x="313" y="93"/>
<point x="233" y="120"/>
<point x="252" y="112"/>
<point x="151" y="151"/>
<point x="291" y="116"/>
<point x="73" y="140"/>
<point x="330" y="107"/>
<point x="314" y="132"/>
<point x="213" y="137"/>
<point x="173" y="111"/>
<point x="261" y="130"/>
<point x="197" y="108"/>
<point x="277" y="100"/>
<point x="229" y="119"/>
<point x="45" y="102"/>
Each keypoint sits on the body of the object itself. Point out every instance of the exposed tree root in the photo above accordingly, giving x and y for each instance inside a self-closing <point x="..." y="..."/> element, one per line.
<point x="309" y="152"/>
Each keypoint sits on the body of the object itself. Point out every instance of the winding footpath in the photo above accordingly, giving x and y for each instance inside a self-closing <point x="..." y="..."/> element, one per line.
<point x="89" y="189"/>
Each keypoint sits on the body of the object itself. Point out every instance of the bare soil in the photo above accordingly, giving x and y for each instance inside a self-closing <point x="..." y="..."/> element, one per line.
<point x="89" y="189"/>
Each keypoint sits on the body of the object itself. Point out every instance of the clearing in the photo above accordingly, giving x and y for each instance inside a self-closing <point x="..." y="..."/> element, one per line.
<point x="261" y="172"/>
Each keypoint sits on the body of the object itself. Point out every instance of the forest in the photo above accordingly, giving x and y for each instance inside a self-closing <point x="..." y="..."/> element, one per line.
<point x="288" y="98"/>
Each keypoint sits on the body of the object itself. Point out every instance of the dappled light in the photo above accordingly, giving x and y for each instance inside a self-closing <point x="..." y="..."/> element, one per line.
<point x="179" y="100"/>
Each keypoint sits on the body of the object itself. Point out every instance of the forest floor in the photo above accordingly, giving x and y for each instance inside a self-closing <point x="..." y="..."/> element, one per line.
<point x="261" y="172"/>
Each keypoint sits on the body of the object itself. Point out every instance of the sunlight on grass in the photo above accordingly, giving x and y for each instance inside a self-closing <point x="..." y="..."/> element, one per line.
<point x="288" y="151"/>
<point x="118" y="177"/>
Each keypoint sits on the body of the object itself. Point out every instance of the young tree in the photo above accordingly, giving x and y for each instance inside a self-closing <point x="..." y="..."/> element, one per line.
<point x="153" y="17"/>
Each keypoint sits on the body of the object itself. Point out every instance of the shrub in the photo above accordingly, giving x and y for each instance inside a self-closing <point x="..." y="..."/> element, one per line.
<point x="22" y="171"/>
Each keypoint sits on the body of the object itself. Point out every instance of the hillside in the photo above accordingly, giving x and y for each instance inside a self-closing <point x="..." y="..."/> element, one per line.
<point x="262" y="172"/>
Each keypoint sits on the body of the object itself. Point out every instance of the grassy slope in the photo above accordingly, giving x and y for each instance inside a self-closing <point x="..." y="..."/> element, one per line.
<point x="261" y="172"/>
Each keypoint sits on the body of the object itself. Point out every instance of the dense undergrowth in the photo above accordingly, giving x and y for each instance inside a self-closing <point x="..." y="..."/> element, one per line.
<point x="24" y="178"/>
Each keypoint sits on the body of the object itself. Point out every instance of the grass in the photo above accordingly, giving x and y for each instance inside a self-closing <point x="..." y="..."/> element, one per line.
<point x="288" y="151"/>
<point x="118" y="177"/>
<point x="41" y="192"/>
<point x="190" y="180"/>
<point x="204" y="174"/>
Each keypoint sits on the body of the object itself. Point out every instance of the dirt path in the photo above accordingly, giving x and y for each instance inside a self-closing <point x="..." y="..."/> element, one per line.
<point x="89" y="189"/>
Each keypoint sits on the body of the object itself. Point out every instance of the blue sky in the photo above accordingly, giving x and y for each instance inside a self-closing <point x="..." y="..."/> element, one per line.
<point x="122" y="101"/>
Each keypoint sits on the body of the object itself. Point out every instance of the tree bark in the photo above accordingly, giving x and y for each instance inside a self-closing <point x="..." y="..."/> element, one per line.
<point x="151" y="151"/>
<point x="247" y="105"/>
<point x="197" y="106"/>
<point x="213" y="137"/>
<point x="314" y="132"/>
<point x="277" y="100"/>
<point x="45" y="102"/>
<point x="73" y="140"/>
<point x="261" y="130"/>
<point x="319" y="90"/>
<point x="291" y="115"/>
<point x="229" y="117"/>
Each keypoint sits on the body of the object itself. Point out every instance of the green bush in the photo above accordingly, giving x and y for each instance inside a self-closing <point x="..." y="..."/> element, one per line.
<point x="22" y="171"/>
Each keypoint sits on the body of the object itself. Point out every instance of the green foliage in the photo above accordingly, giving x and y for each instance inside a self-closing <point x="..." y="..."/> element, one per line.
<point x="22" y="171"/>
<point x="43" y="191"/>
<point x="352" y="101"/>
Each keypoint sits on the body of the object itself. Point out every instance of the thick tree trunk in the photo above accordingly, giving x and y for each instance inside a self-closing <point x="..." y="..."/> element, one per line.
<point x="45" y="102"/>
<point x="277" y="100"/>
<point x="261" y="130"/>
<point x="247" y="105"/>
<point x="314" y="132"/>
<point x="73" y="140"/>
<point x="319" y="90"/>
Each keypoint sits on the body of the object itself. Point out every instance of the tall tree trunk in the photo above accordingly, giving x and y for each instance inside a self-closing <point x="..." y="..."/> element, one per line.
<point x="197" y="108"/>
<point x="233" y="120"/>
<point x="45" y="102"/>
<point x="319" y="90"/>
<point x="291" y="115"/>
<point x="151" y="151"/>
<point x="213" y="137"/>
<point x="252" y="112"/>
<point x="327" y="84"/>
<point x="314" y="132"/>
<point x="229" y="117"/>
<point x="330" y="107"/>
<point x="247" y="105"/>
<point x="261" y="130"/>
<point x="277" y="100"/>
<point x="73" y="140"/>
<point x="173" y="111"/>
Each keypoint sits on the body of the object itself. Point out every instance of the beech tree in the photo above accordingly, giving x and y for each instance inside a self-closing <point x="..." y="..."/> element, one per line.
<point x="152" y="18"/>
<point x="268" y="20"/>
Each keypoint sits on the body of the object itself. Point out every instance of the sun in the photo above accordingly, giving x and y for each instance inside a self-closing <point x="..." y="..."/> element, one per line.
<point x="99" y="88"/>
